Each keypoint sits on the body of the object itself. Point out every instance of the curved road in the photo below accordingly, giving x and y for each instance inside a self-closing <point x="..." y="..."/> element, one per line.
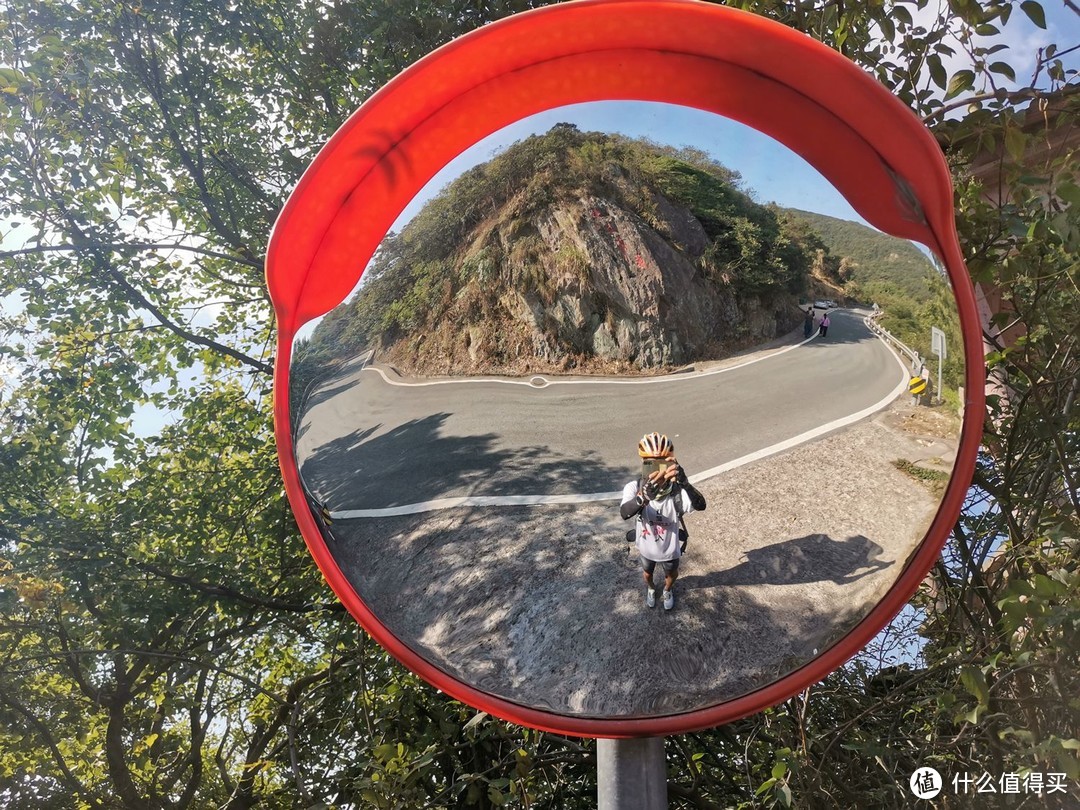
<point x="371" y="444"/>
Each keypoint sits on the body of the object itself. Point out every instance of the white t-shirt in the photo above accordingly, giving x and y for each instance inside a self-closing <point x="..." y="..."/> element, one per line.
<point x="658" y="524"/>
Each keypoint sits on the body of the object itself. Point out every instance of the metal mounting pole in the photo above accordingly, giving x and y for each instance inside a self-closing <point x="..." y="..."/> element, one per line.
<point x="631" y="774"/>
<point x="939" y="397"/>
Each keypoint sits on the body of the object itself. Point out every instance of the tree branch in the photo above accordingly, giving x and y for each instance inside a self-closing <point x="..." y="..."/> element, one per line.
<point x="1016" y="95"/>
<point x="46" y="735"/>
<point x="221" y="590"/>
<point x="166" y="656"/>
<point x="6" y="254"/>
<point x="243" y="795"/>
<point x="691" y="795"/>
<point x="134" y="296"/>
<point x="116" y="755"/>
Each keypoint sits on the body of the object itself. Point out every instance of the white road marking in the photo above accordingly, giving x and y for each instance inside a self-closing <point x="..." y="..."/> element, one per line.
<point x="474" y="500"/>
<point x="595" y="497"/>
<point x="538" y="381"/>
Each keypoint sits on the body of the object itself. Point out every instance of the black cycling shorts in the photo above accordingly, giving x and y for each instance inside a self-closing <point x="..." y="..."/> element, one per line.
<point x="670" y="566"/>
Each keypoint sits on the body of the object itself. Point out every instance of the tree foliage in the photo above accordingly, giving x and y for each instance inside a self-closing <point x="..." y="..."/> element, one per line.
<point x="165" y="641"/>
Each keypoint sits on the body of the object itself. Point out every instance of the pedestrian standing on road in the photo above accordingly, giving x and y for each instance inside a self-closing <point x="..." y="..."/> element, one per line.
<point x="824" y="324"/>
<point x="658" y="499"/>
<point x="808" y="322"/>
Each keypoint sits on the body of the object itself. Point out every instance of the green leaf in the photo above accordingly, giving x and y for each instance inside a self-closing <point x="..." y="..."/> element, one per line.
<point x="937" y="70"/>
<point x="975" y="682"/>
<point x="477" y="720"/>
<point x="1069" y="192"/>
<point x="1003" y="69"/>
<point x="1047" y="588"/>
<point x="385" y="752"/>
<point x="1015" y="143"/>
<point x="972" y="716"/>
<point x="962" y="80"/>
<point x="1019" y="733"/>
<point x="784" y="794"/>
<point x="1035" y="13"/>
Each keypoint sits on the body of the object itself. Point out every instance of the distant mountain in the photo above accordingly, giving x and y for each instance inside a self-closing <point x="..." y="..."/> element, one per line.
<point x="876" y="262"/>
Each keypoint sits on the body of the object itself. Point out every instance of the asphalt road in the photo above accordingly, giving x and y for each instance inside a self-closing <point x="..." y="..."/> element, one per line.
<point x="369" y="439"/>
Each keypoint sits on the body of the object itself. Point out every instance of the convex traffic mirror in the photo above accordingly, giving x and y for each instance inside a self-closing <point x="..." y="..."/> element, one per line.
<point x="573" y="228"/>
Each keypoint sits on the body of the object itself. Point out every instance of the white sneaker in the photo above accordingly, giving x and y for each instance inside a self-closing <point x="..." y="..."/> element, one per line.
<point x="650" y="598"/>
<point x="669" y="600"/>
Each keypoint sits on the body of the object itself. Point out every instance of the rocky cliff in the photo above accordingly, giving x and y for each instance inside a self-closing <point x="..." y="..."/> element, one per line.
<point x="580" y="252"/>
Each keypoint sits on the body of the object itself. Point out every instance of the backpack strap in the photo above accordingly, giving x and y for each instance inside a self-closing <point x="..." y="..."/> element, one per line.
<point x="684" y="535"/>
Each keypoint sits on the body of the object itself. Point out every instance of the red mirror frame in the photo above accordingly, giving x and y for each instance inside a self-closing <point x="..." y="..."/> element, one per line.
<point x="738" y="65"/>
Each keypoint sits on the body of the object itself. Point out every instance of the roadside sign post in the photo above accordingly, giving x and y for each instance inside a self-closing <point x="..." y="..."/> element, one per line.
<point x="937" y="346"/>
<point x="631" y="774"/>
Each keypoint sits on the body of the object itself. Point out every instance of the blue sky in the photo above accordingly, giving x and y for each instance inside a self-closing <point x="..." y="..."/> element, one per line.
<point x="770" y="170"/>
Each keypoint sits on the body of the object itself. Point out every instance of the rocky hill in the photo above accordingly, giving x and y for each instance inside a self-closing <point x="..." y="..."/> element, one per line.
<point x="580" y="252"/>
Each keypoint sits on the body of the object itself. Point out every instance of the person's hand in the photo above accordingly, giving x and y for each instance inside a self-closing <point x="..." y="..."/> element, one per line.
<point x="654" y="483"/>
<point x="652" y="486"/>
<point x="674" y="472"/>
<point x="680" y="475"/>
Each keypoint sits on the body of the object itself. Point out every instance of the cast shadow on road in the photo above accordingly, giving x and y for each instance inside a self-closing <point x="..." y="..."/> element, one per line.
<point x="801" y="560"/>
<point x="328" y="381"/>
<point x="300" y="408"/>
<point x="327" y="391"/>
<point x="416" y="462"/>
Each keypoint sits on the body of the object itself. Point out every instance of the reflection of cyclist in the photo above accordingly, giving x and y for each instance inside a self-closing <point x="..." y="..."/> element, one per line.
<point x="659" y="500"/>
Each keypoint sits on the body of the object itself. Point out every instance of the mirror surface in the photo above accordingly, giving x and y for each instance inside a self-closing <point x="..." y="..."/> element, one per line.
<point x="466" y="421"/>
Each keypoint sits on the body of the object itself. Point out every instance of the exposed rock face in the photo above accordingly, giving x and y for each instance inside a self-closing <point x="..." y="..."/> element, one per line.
<point x="615" y="288"/>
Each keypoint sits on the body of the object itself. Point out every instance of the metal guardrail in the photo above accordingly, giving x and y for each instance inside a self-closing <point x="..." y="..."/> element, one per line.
<point x="912" y="355"/>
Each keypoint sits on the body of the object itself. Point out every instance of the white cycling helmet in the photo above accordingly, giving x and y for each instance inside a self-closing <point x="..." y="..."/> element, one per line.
<point x="655" y="445"/>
